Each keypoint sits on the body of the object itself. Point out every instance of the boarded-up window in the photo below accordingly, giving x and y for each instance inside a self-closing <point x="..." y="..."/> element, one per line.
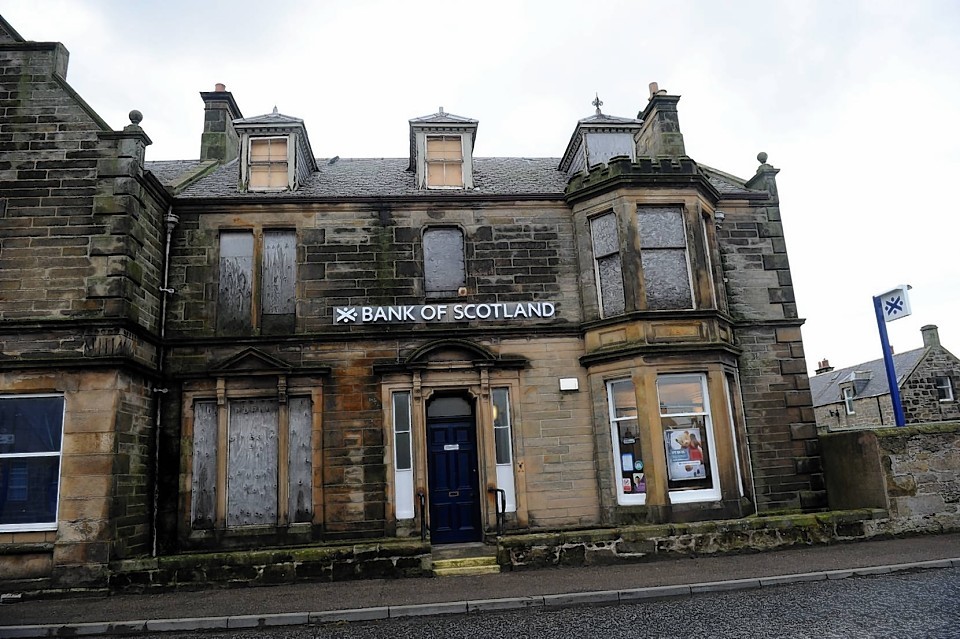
<point x="444" y="270"/>
<point x="278" y="281"/>
<point x="252" y="463"/>
<point x="204" y="489"/>
<point x="300" y="461"/>
<point x="268" y="164"/>
<point x="444" y="161"/>
<point x="663" y="258"/>
<point x="606" y="255"/>
<point x="236" y="283"/>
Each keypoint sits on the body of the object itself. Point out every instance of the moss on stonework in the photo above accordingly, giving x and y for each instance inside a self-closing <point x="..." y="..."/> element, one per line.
<point x="918" y="429"/>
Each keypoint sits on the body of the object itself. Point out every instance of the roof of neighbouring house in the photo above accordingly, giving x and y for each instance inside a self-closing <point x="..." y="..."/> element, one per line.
<point x="825" y="387"/>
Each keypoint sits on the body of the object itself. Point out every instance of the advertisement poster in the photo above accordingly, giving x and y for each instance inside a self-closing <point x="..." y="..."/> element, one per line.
<point x="684" y="454"/>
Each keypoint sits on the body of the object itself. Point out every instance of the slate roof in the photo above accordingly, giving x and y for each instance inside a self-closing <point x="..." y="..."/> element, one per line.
<point x="825" y="387"/>
<point x="274" y="118"/>
<point x="389" y="177"/>
<point x="725" y="183"/>
<point x="442" y="117"/>
<point x="168" y="171"/>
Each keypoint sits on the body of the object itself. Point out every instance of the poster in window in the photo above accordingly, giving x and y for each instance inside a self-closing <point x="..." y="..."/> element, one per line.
<point x="626" y="462"/>
<point x="684" y="454"/>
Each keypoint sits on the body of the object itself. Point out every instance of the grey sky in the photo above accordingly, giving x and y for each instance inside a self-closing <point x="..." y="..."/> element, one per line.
<point x="856" y="103"/>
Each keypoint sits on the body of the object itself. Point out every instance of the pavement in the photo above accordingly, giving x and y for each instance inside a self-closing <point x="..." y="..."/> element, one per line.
<point x="316" y="603"/>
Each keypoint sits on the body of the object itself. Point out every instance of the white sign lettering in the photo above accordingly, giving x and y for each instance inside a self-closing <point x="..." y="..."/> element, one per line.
<point x="434" y="313"/>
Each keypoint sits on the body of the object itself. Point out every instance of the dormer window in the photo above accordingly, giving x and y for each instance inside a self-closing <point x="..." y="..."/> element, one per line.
<point x="275" y="153"/>
<point x="444" y="161"/>
<point x="441" y="151"/>
<point x="269" y="166"/>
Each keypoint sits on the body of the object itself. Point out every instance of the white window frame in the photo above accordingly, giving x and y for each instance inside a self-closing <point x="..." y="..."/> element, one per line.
<point x="250" y="163"/>
<point x="40" y="526"/>
<point x="944" y="384"/>
<point x="403" y="488"/>
<point x="427" y="161"/>
<point x="505" y="476"/>
<point x="624" y="499"/>
<point x="848" y="394"/>
<point x="686" y="496"/>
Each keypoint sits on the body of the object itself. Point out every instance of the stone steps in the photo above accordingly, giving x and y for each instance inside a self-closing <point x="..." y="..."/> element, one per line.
<point x="463" y="566"/>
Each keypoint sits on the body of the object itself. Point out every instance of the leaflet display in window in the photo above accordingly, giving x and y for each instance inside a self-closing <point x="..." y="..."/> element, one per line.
<point x="685" y="460"/>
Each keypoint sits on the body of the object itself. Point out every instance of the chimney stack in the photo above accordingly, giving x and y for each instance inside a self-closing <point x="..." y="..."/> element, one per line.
<point x="823" y="366"/>
<point x="660" y="135"/>
<point x="931" y="336"/>
<point x="219" y="140"/>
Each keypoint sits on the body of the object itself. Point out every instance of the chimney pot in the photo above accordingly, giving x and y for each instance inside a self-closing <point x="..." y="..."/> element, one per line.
<point x="653" y="89"/>
<point x="823" y="366"/>
<point x="220" y="87"/>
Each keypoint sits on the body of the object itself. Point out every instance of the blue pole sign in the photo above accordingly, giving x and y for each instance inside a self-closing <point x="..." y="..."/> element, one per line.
<point x="888" y="307"/>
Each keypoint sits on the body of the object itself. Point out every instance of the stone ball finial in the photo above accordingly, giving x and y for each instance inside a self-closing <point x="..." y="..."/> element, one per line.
<point x="762" y="157"/>
<point x="135" y="117"/>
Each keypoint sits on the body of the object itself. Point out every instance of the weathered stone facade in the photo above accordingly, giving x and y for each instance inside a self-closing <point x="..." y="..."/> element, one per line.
<point x="210" y="326"/>
<point x="80" y="262"/>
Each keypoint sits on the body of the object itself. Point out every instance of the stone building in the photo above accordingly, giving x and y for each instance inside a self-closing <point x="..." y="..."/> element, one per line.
<point x="260" y="347"/>
<point x="859" y="396"/>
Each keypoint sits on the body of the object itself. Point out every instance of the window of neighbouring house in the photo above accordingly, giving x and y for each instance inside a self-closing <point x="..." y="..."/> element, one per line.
<point x="944" y="389"/>
<point x="444" y="160"/>
<point x="688" y="437"/>
<point x="255" y="465"/>
<point x="238" y="286"/>
<point x="607" y="266"/>
<point x="630" y="473"/>
<point x="268" y="164"/>
<point x="31" y="434"/>
<point x="848" y="394"/>
<point x="663" y="257"/>
<point x="444" y="268"/>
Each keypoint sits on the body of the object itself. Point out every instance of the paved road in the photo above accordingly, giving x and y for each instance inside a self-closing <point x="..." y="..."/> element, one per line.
<point x="913" y="605"/>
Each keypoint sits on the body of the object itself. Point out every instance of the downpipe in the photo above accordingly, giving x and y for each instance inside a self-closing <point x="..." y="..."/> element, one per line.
<point x="171" y="220"/>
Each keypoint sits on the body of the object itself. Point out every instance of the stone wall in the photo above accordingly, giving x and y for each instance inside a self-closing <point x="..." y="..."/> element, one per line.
<point x="81" y="256"/>
<point x="918" y="393"/>
<point x="913" y="472"/>
<point x="781" y="424"/>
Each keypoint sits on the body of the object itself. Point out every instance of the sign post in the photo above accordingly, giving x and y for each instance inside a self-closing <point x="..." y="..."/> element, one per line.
<point x="888" y="307"/>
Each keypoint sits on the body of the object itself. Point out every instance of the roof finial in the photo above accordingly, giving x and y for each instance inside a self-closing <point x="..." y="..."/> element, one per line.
<point x="597" y="102"/>
<point x="441" y="111"/>
<point x="275" y="112"/>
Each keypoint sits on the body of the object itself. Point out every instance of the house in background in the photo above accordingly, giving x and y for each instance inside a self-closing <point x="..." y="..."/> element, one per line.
<point x="260" y="348"/>
<point x="859" y="396"/>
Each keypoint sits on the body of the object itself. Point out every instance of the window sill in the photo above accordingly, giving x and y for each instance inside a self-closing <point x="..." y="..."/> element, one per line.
<point x="27" y="528"/>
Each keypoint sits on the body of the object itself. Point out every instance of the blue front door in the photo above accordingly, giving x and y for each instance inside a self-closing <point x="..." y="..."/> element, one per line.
<point x="452" y="466"/>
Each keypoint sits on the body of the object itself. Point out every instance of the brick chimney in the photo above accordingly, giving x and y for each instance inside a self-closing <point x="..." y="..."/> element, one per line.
<point x="931" y="336"/>
<point x="660" y="134"/>
<point x="219" y="140"/>
<point x="823" y="366"/>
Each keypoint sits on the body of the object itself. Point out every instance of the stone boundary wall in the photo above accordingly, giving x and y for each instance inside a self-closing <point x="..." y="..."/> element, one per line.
<point x="647" y="543"/>
<point x="912" y="472"/>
